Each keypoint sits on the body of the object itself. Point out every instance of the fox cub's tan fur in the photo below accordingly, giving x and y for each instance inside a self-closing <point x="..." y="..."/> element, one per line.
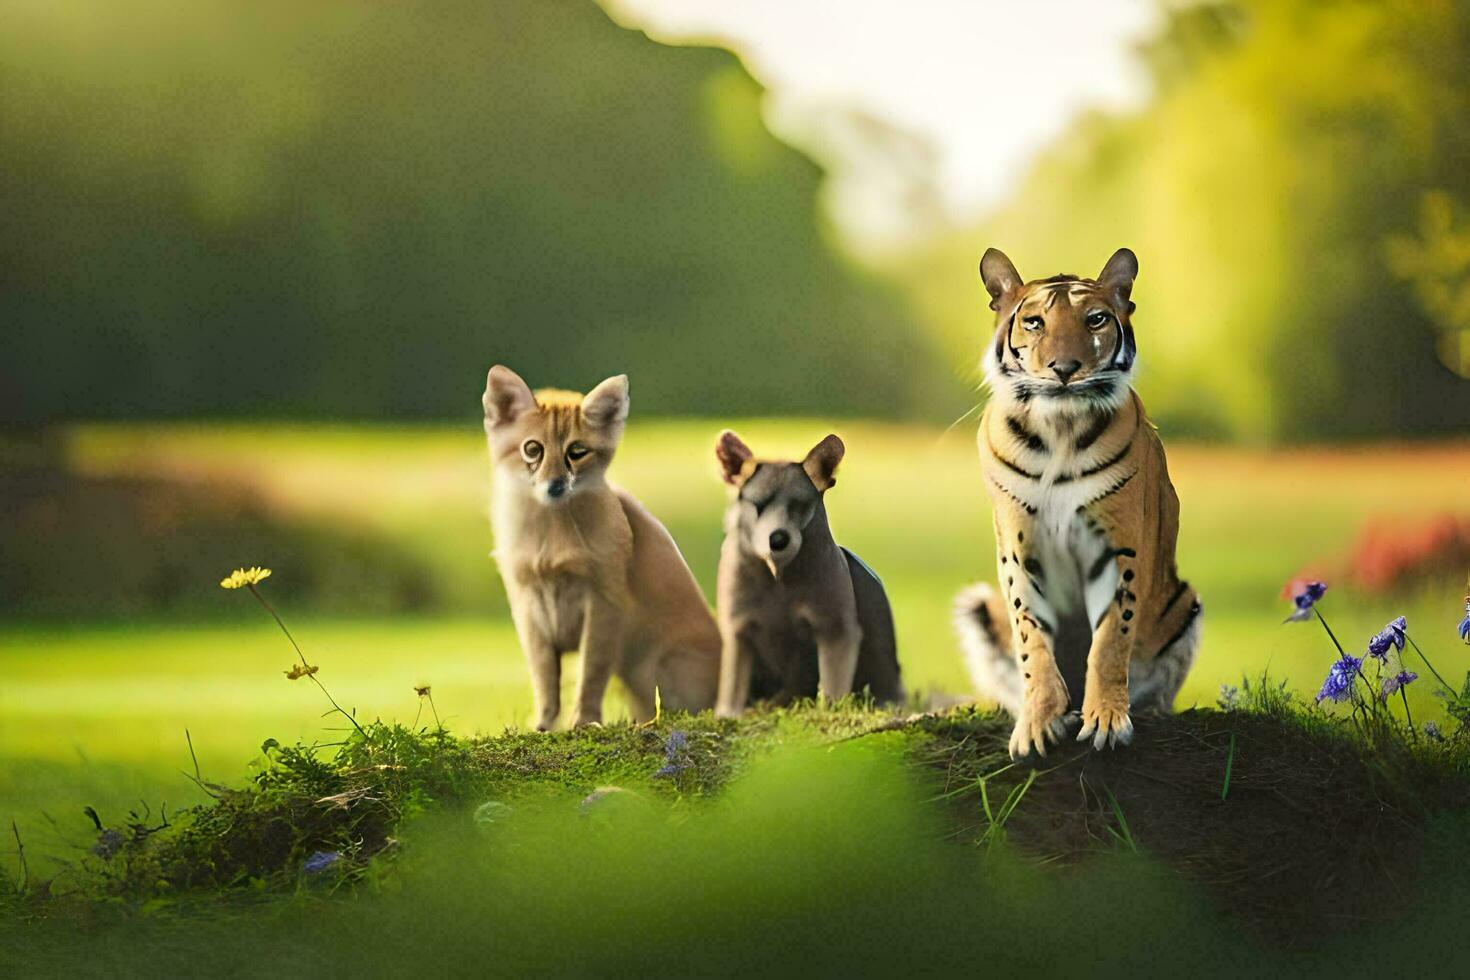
<point x="586" y="567"/>
<point x="1091" y="614"/>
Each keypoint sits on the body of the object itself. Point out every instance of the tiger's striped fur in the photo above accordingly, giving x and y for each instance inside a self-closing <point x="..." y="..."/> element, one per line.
<point x="1086" y="519"/>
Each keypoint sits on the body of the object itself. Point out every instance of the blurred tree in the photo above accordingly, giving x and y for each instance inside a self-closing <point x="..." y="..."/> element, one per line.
<point x="1435" y="259"/>
<point x="1288" y="144"/>
<point x="352" y="210"/>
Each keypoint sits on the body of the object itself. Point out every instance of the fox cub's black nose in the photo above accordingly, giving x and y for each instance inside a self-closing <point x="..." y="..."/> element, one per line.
<point x="1064" y="369"/>
<point x="556" y="488"/>
<point x="779" y="540"/>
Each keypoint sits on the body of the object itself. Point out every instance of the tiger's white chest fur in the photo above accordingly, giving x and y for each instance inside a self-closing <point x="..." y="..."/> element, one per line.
<point x="1077" y="579"/>
<point x="1078" y="576"/>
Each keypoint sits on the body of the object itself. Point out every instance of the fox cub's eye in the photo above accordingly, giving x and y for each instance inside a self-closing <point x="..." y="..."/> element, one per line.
<point x="1097" y="318"/>
<point x="531" y="451"/>
<point x="1031" y="322"/>
<point x="576" y="451"/>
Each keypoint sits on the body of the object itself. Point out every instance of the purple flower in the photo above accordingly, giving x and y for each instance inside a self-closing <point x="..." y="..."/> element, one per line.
<point x="1431" y="730"/>
<point x="321" y="861"/>
<point x="109" y="842"/>
<point x="1339" y="683"/>
<point x="1465" y="623"/>
<point x="1391" y="685"/>
<point x="1305" y="599"/>
<point x="676" y="751"/>
<point x="1389" y="638"/>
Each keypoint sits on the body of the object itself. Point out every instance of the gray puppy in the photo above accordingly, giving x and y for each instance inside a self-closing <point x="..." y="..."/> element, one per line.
<point x="798" y="615"/>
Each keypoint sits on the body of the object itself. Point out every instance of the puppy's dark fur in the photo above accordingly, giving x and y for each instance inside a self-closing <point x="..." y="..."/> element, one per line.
<point x="798" y="615"/>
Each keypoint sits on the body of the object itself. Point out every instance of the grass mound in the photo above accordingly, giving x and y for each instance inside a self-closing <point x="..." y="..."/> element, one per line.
<point x="1296" y="829"/>
<point x="1276" y="812"/>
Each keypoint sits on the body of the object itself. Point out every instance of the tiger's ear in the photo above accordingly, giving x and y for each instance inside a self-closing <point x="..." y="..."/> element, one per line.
<point x="821" y="463"/>
<point x="1118" y="275"/>
<point x="999" y="275"/>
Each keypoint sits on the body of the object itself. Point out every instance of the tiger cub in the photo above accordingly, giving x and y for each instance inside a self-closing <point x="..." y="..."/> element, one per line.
<point x="1086" y="520"/>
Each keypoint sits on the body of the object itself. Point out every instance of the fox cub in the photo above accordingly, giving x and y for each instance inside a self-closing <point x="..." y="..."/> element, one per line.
<point x="798" y="614"/>
<point x="585" y="566"/>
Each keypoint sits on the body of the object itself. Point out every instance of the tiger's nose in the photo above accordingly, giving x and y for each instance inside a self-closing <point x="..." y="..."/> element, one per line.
<point x="1064" y="369"/>
<point x="779" y="540"/>
<point x="556" y="488"/>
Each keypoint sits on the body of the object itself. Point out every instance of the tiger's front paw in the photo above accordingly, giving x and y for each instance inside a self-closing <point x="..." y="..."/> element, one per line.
<point x="1108" y="725"/>
<point x="1043" y="719"/>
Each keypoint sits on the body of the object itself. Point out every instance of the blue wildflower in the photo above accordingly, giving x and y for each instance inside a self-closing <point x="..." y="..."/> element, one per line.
<point x="1339" y="683"/>
<point x="1391" y="637"/>
<point x="1305" y="599"/>
<point x="1431" y="730"/>
<point x="1391" y="685"/>
<point x="1465" y="623"/>
<point x="320" y="861"/>
<point x="676" y="751"/>
<point x="109" y="842"/>
<point x="1229" y="697"/>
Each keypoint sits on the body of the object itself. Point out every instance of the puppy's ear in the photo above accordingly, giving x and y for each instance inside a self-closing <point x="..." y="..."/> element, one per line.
<point x="607" y="404"/>
<point x="1118" y="275"/>
<point x="506" y="396"/>
<point x="999" y="275"/>
<point x="732" y="455"/>
<point x="821" y="463"/>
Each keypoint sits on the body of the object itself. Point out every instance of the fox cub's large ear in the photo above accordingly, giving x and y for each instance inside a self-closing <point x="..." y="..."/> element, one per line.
<point x="821" y="463"/>
<point x="999" y="275"/>
<point x="732" y="455"/>
<point x="506" y="396"/>
<point x="607" y="404"/>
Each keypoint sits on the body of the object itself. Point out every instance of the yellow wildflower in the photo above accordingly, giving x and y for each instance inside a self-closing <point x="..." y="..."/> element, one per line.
<point x="300" y="670"/>
<point x="245" y="576"/>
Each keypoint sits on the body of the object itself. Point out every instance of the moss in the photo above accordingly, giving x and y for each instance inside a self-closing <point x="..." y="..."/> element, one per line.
<point x="1313" y="809"/>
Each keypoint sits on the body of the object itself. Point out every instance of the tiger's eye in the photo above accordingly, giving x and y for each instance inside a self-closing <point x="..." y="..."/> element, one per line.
<point x="576" y="451"/>
<point x="1097" y="319"/>
<point x="1032" y="322"/>
<point x="531" y="450"/>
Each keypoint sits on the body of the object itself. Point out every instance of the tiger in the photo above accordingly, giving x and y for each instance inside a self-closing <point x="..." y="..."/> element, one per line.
<point x="1086" y="519"/>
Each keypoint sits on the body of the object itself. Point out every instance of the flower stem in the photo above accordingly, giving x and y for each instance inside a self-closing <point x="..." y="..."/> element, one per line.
<point x="267" y="607"/>
<point x="1330" y="635"/>
<point x="1446" y="683"/>
<point x="1409" y="715"/>
<point x="341" y="712"/>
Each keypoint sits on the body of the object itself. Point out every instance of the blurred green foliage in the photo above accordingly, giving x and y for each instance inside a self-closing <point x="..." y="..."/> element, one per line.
<point x="353" y="210"/>
<point x="346" y="210"/>
<point x="1290" y="191"/>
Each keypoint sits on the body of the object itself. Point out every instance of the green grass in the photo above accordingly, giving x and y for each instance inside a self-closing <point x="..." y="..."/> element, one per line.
<point x="845" y="842"/>
<point x="95" y="712"/>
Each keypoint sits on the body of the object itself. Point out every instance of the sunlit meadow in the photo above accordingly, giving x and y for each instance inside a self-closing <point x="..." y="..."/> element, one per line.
<point x="95" y="713"/>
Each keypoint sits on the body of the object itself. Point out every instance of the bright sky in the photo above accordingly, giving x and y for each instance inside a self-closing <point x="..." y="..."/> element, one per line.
<point x="983" y="84"/>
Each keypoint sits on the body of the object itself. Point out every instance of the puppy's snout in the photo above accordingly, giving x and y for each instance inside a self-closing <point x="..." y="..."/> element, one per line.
<point x="557" y="488"/>
<point x="1064" y="369"/>
<point x="779" y="540"/>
